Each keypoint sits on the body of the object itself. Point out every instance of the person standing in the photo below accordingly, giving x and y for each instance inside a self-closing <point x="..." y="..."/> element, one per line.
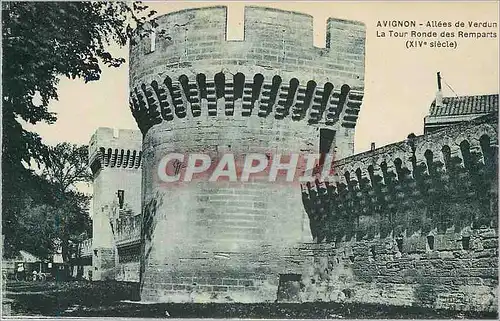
<point x="20" y="272"/>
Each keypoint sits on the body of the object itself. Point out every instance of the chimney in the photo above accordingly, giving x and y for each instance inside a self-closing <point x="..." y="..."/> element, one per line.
<point x="439" y="94"/>
<point x="372" y="147"/>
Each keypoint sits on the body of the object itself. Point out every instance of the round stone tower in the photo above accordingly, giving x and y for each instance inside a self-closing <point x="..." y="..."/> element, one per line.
<point x="193" y="91"/>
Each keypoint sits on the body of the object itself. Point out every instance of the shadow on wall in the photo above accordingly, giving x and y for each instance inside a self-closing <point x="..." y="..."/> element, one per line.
<point x="147" y="231"/>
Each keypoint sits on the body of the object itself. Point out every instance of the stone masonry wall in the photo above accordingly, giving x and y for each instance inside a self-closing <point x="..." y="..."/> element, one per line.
<point x="275" y="72"/>
<point x="449" y="276"/>
<point x="218" y="230"/>
<point x="412" y="223"/>
<point x="273" y="92"/>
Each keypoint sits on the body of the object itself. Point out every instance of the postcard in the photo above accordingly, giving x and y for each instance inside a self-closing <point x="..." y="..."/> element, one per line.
<point x="292" y="160"/>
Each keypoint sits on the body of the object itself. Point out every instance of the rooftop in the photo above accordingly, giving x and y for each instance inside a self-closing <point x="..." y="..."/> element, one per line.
<point x="464" y="105"/>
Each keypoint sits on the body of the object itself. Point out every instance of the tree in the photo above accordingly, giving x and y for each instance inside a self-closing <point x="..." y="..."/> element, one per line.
<point x="26" y="197"/>
<point x="42" y="41"/>
<point x="36" y="225"/>
<point x="53" y="208"/>
<point x="72" y="222"/>
<point x="45" y="40"/>
<point x="66" y="165"/>
<point x="39" y="224"/>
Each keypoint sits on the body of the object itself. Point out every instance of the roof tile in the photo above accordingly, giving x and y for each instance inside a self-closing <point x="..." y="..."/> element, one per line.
<point x="465" y="105"/>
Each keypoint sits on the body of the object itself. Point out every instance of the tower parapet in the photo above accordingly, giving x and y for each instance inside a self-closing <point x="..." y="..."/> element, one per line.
<point x="275" y="72"/>
<point x="193" y="91"/>
<point x="115" y="148"/>
<point x="274" y="40"/>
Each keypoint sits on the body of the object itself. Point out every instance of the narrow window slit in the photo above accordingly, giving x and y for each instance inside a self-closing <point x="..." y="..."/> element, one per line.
<point x="121" y="198"/>
<point x="466" y="242"/>
<point x="399" y="243"/>
<point x="326" y="137"/>
<point x="430" y="242"/>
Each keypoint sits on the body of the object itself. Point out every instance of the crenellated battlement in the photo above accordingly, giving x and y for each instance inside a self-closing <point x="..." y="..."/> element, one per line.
<point x="119" y="158"/>
<point x="455" y="142"/>
<point x="410" y="186"/>
<point x="188" y="57"/>
<point x="241" y="95"/>
<point x="110" y="147"/>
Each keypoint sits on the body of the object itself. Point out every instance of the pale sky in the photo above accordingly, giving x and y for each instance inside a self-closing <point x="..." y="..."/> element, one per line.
<point x="400" y="83"/>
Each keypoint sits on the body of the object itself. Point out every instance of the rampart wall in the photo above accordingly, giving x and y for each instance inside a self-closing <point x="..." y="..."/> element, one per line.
<point x="412" y="223"/>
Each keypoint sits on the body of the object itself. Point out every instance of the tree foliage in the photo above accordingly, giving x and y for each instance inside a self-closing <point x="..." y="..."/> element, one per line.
<point x="45" y="40"/>
<point x="50" y="206"/>
<point x="41" y="42"/>
<point x="66" y="165"/>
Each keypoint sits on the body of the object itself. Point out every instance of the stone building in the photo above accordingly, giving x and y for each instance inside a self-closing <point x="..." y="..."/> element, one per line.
<point x="411" y="223"/>
<point x="115" y="162"/>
